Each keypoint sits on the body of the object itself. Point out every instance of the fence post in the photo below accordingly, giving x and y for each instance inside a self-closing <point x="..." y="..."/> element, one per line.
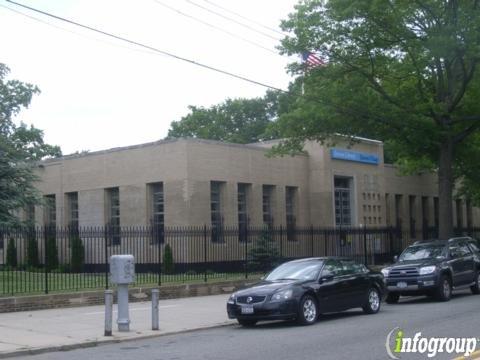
<point x="105" y="233"/>
<point x="311" y="240"/>
<point x="365" y="244"/>
<point x="155" y="296"/>
<point x="205" y="278"/>
<point x="45" y="256"/>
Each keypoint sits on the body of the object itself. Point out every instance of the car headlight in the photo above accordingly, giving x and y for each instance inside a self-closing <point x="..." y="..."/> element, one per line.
<point x="282" y="295"/>
<point x="427" y="270"/>
<point x="231" y="299"/>
<point x="385" y="272"/>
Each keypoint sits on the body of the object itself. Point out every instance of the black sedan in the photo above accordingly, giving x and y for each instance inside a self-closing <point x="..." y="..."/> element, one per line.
<point x="302" y="289"/>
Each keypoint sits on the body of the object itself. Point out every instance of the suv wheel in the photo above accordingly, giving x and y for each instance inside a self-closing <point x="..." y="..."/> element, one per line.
<point x="247" y="323"/>
<point x="444" y="289"/>
<point x="392" y="298"/>
<point x="373" y="302"/>
<point x="307" y="312"/>
<point x="476" y="287"/>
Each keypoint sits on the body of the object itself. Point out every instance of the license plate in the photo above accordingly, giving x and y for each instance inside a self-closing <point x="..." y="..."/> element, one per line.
<point x="247" y="310"/>
<point x="402" y="285"/>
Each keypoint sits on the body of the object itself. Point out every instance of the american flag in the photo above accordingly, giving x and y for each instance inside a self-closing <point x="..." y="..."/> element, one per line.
<point x="312" y="60"/>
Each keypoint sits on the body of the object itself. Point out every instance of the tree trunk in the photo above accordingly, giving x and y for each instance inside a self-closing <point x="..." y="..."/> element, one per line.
<point x="445" y="190"/>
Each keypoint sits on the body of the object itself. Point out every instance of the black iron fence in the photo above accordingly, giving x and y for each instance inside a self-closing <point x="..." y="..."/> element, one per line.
<point x="45" y="259"/>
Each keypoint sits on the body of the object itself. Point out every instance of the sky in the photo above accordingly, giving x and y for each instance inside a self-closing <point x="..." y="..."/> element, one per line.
<point x="100" y="93"/>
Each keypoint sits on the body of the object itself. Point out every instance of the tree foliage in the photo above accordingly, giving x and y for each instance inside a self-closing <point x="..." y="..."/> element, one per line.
<point x="21" y="146"/>
<point x="77" y="256"/>
<point x="401" y="71"/>
<point x="168" y="263"/>
<point x="235" y="120"/>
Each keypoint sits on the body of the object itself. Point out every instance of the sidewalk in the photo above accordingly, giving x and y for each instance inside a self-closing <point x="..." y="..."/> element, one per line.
<point x="60" y="329"/>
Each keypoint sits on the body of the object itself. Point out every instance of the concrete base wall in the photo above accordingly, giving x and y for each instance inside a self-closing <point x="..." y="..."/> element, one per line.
<point x="53" y="301"/>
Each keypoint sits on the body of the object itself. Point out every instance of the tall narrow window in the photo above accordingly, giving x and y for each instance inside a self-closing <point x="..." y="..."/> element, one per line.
<point x="113" y="213"/>
<point x="72" y="207"/>
<point x="468" y="204"/>
<point x="30" y="214"/>
<point x="242" y="198"/>
<point x="459" y="211"/>
<point x="425" y="220"/>
<point x="50" y="216"/>
<point x="398" y="210"/>
<point x="216" y="214"/>
<point x="343" y="201"/>
<point x="387" y="210"/>
<point x="436" y="214"/>
<point x="411" y="210"/>
<point x="158" y="212"/>
<point x="267" y="205"/>
<point x="291" y="210"/>
<point x="50" y="211"/>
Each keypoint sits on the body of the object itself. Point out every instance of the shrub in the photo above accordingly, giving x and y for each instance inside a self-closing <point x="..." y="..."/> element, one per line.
<point x="11" y="253"/>
<point x="77" y="257"/>
<point x="264" y="255"/>
<point x="32" y="251"/>
<point x="52" y="253"/>
<point x="168" y="264"/>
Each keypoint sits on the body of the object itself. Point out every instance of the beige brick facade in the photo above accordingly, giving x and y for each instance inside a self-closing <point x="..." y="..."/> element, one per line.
<point x="186" y="168"/>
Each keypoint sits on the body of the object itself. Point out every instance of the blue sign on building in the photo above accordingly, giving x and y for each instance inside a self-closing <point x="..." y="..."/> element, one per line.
<point x="341" y="154"/>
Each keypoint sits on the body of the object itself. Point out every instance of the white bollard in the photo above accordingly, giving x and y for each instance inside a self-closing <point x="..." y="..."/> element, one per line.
<point x="155" y="296"/>
<point x="108" y="312"/>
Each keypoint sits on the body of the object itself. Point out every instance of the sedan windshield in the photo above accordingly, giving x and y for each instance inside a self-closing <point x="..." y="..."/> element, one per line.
<point x="421" y="252"/>
<point x="307" y="270"/>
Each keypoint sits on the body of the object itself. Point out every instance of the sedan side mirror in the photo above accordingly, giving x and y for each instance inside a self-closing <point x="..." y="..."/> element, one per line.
<point x="395" y="258"/>
<point x="326" y="278"/>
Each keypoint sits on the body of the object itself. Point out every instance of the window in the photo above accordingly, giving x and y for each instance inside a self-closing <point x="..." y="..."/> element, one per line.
<point x="436" y="212"/>
<point x="216" y="210"/>
<point x="398" y="210"/>
<point x="290" y="210"/>
<point x="30" y="214"/>
<point x="411" y="210"/>
<point x="343" y="201"/>
<point x="113" y="216"/>
<point x="332" y="268"/>
<point x="50" y="211"/>
<point x="459" y="211"/>
<point x="50" y="215"/>
<point x="72" y="206"/>
<point x="157" y="212"/>
<point x="242" y="193"/>
<point x="267" y="207"/>
<point x="425" y="211"/>
<point x="469" y="213"/>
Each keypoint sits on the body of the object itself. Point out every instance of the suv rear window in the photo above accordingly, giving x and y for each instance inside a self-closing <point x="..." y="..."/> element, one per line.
<point x="420" y="252"/>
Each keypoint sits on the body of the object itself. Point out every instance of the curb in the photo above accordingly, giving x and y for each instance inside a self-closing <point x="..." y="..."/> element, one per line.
<point x="94" y="343"/>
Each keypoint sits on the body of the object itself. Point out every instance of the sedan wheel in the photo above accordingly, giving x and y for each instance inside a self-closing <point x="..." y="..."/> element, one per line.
<point x="373" y="302"/>
<point x="307" y="312"/>
<point x="476" y="287"/>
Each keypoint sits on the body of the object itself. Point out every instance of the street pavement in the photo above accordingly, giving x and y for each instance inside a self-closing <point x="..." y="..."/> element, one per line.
<point x="348" y="335"/>
<point x="61" y="329"/>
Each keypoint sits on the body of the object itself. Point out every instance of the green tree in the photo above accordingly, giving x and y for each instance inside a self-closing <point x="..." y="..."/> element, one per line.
<point x="77" y="257"/>
<point x="32" y="249"/>
<point x="235" y="120"/>
<point x="264" y="255"/>
<point x="52" y="253"/>
<point x="168" y="264"/>
<point x="11" y="253"/>
<point x="20" y="148"/>
<point x="401" y="71"/>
